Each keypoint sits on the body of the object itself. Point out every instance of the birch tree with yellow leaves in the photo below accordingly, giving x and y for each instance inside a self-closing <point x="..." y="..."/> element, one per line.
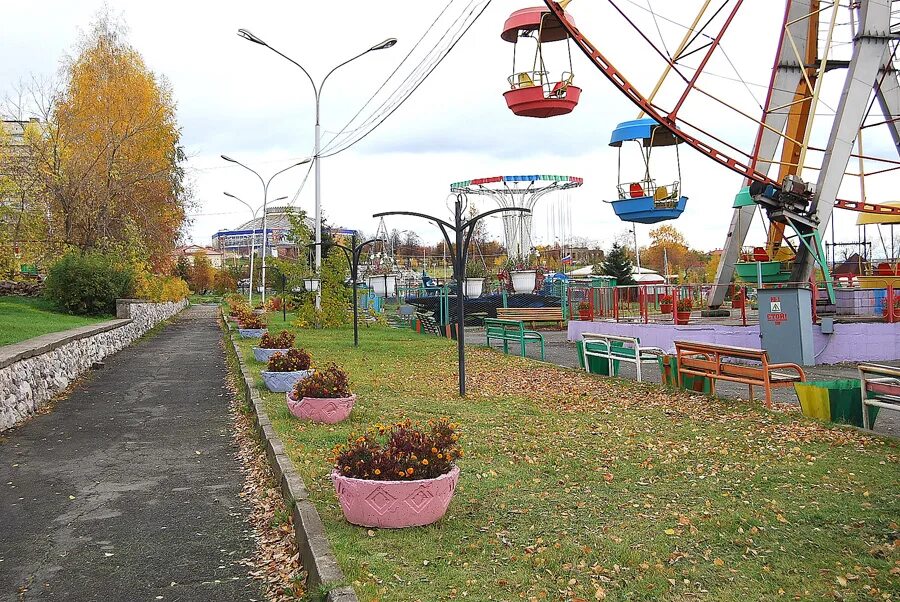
<point x="109" y="157"/>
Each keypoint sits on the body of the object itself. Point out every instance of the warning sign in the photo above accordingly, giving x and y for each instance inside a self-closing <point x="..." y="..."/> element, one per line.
<point x="776" y="306"/>
<point x="778" y="318"/>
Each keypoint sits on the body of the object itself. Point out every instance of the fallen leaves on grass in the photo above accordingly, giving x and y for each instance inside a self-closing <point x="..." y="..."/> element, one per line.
<point x="490" y="374"/>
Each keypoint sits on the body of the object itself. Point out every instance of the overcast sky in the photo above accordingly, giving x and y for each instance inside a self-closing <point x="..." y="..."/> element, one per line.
<point x="240" y="99"/>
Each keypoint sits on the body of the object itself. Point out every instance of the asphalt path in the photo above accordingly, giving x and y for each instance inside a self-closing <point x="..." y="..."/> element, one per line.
<point x="129" y="488"/>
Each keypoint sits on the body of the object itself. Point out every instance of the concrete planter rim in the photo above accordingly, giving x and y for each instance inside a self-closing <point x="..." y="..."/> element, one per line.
<point x="262" y="354"/>
<point x="277" y="381"/>
<point x="446" y="475"/>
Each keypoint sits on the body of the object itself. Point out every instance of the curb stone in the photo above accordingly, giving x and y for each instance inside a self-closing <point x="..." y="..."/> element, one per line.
<point x="316" y="554"/>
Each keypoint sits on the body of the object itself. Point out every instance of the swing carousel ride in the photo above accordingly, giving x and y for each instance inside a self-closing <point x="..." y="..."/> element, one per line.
<point x="792" y="140"/>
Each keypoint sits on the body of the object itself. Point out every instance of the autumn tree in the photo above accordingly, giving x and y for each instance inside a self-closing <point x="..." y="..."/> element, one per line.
<point x="201" y="274"/>
<point x="109" y="157"/>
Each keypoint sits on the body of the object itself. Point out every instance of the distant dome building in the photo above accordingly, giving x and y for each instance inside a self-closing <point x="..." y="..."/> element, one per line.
<point x="239" y="241"/>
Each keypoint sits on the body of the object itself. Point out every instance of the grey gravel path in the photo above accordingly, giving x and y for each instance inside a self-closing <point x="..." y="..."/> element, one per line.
<point x="128" y="489"/>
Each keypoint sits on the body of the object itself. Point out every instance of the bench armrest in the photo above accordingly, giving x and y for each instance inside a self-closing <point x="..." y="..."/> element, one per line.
<point x="788" y="366"/>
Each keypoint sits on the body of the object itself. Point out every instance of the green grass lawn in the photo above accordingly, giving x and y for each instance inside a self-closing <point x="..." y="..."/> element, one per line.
<point x="22" y="318"/>
<point x="575" y="487"/>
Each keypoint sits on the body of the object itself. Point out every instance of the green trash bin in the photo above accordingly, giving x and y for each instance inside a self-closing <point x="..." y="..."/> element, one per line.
<point x="598" y="365"/>
<point x="668" y="368"/>
<point x="844" y="401"/>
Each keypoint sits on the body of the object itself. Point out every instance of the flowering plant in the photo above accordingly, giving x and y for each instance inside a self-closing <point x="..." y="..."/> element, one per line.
<point x="251" y="321"/>
<point x="584" y="306"/>
<point x="685" y="304"/>
<point x="884" y="312"/>
<point x="665" y="299"/>
<point x="239" y="310"/>
<point x="293" y="360"/>
<point x="404" y="451"/>
<point x="332" y="382"/>
<point x="283" y="340"/>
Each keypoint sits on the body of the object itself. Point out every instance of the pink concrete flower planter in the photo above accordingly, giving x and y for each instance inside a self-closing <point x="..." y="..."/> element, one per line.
<point x="328" y="410"/>
<point x="395" y="504"/>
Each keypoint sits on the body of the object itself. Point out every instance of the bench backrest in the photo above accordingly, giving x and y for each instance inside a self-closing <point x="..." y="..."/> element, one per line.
<point x="530" y="313"/>
<point x="495" y="326"/>
<point x="596" y="336"/>
<point x="746" y="353"/>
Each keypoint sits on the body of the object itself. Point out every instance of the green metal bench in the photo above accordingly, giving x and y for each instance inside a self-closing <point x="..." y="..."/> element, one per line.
<point x="511" y="330"/>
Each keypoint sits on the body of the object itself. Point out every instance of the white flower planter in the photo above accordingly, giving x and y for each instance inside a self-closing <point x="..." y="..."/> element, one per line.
<point x="523" y="282"/>
<point x="261" y="354"/>
<point x="383" y="285"/>
<point x="282" y="382"/>
<point x="472" y="287"/>
<point x="251" y="333"/>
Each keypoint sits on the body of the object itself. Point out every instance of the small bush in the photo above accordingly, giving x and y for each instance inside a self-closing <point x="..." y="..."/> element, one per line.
<point x="161" y="289"/>
<point x="283" y="340"/>
<point x="405" y="451"/>
<point x="685" y="304"/>
<point x="251" y="321"/>
<point x="330" y="382"/>
<point x="89" y="283"/>
<point x="233" y="299"/>
<point x="291" y="361"/>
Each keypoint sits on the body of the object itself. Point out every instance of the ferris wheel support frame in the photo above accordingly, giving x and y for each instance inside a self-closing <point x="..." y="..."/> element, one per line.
<point x="870" y="45"/>
<point x="787" y="85"/>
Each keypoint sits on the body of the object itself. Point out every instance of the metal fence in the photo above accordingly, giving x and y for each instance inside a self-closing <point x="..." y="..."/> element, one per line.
<point x="682" y="304"/>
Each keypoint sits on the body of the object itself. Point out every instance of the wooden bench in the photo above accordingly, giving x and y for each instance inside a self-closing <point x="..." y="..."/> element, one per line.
<point x="511" y="330"/>
<point x="706" y="359"/>
<point x="531" y="314"/>
<point x="616" y="348"/>
<point x="427" y="324"/>
<point x="880" y="387"/>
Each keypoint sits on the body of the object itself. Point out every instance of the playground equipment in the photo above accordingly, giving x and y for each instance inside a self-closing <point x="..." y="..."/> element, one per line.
<point x="534" y="93"/>
<point x="517" y="192"/>
<point x="791" y="106"/>
<point x="644" y="201"/>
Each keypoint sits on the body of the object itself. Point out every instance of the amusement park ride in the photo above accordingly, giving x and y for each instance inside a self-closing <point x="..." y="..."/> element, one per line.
<point x="793" y="189"/>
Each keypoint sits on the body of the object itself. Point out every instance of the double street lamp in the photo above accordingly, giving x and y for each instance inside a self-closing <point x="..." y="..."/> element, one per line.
<point x="252" y="236"/>
<point x="265" y="222"/>
<point x="317" y="91"/>
<point x="462" y="230"/>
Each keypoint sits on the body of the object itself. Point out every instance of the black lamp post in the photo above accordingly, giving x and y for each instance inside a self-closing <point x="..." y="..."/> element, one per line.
<point x="352" y="254"/>
<point x="462" y="230"/>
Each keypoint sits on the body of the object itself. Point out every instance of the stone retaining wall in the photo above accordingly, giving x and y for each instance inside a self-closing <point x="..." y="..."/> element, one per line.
<point x="33" y="371"/>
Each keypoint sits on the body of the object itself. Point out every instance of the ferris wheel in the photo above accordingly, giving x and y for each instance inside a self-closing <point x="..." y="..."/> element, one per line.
<point x="832" y="84"/>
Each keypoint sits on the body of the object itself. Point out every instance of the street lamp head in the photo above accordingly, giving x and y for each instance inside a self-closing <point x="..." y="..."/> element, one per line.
<point x="229" y="195"/>
<point x="227" y="158"/>
<point x="281" y="198"/>
<point x="250" y="37"/>
<point x="304" y="162"/>
<point x="386" y="44"/>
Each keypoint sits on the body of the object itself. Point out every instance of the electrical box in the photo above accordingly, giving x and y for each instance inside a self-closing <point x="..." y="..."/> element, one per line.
<point x="786" y="326"/>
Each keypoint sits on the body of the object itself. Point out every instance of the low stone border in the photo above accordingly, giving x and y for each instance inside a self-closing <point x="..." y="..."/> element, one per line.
<point x="316" y="554"/>
<point x="34" y="370"/>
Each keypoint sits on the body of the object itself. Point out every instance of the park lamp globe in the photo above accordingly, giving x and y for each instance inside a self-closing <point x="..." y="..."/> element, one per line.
<point x="386" y="44"/>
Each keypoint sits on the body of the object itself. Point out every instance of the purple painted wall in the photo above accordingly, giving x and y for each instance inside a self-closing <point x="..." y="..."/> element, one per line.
<point x="857" y="342"/>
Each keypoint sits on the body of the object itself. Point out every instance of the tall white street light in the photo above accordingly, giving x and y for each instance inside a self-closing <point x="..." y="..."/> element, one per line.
<point x="265" y="184"/>
<point x="317" y="91"/>
<point x="252" y="236"/>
